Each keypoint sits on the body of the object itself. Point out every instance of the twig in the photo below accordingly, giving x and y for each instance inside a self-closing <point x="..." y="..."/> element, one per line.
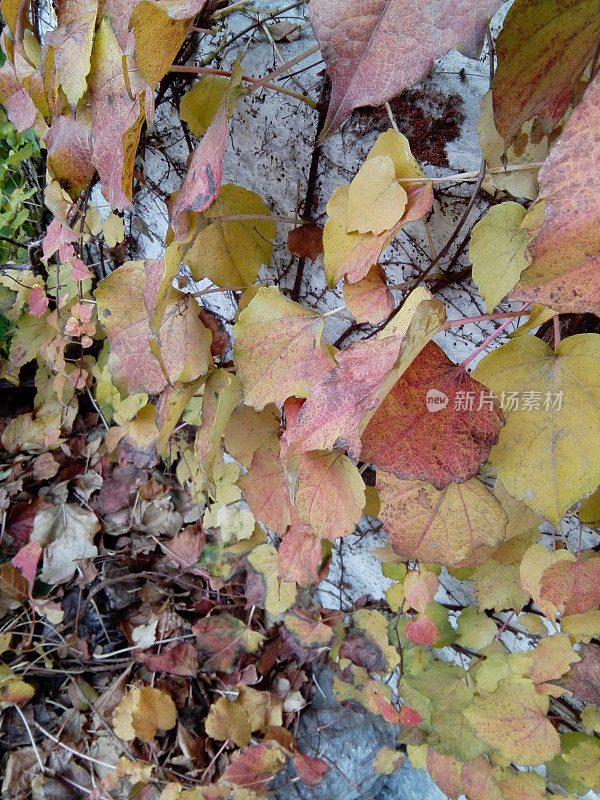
<point x="71" y="750"/>
<point x="491" y="338"/>
<point x="306" y="211"/>
<point x="32" y="740"/>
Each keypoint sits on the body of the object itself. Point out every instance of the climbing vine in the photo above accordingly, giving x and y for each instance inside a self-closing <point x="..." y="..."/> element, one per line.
<point x="190" y="479"/>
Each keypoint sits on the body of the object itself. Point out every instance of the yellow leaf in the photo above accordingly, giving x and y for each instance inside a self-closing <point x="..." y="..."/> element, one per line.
<point x="142" y="712"/>
<point x="444" y="527"/>
<point x="199" y="104"/>
<point x="545" y="456"/>
<point x="376" y="201"/>
<point x="279" y="595"/>
<point x="512" y="720"/>
<point x="498" y="251"/>
<point x="228" y="720"/>
<point x="330" y="494"/>
<point x="230" y="253"/>
<point x="113" y="230"/>
<point x="278" y="349"/>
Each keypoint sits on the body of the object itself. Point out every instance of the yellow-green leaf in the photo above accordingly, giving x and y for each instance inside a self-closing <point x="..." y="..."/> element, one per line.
<point x="545" y="456"/>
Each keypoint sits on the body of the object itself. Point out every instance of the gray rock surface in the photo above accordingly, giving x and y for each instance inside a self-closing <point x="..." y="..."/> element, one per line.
<point x="348" y="740"/>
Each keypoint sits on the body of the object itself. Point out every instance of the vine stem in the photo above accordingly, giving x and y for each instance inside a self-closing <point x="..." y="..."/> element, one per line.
<point x="190" y="69"/>
<point x="453" y="323"/>
<point x="257" y="83"/>
<point x="491" y="338"/>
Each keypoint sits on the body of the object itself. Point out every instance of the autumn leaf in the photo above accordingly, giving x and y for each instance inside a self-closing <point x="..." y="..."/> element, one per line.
<point x="498" y="251"/>
<point x="247" y="430"/>
<point x="300" y="555"/>
<point x="228" y="720"/>
<point x="409" y="437"/>
<point x="583" y="678"/>
<point x="376" y="201"/>
<point x="420" y="587"/>
<point x="534" y="563"/>
<point x="199" y="104"/>
<point x="311" y="770"/>
<point x="306" y="241"/>
<point x="498" y="586"/>
<point x="125" y="310"/>
<point x="387" y="760"/>
<point x="542" y="49"/>
<point x="221" y="396"/>
<point x="551" y="659"/>
<point x="344" y="399"/>
<point x="66" y="532"/>
<point x="330" y="494"/>
<point x="512" y="719"/>
<point x="350" y="253"/>
<point x="230" y="253"/>
<point x="421" y="631"/>
<point x="151" y="23"/>
<point x="70" y="151"/>
<point x="278" y="349"/>
<point x="221" y="640"/>
<point x="179" y="660"/>
<point x="38" y="302"/>
<point x="202" y="181"/>
<point x="563" y="273"/>
<point x="369" y="300"/>
<point x="254" y="768"/>
<point x="307" y="633"/>
<point x="26" y="561"/>
<point x="117" y="117"/>
<point x="446" y="527"/>
<point x="70" y="46"/>
<point x="276" y="595"/>
<point x="142" y="712"/>
<point x="371" y="50"/>
<point x="572" y="586"/>
<point x="544" y="456"/>
<point x="266" y="490"/>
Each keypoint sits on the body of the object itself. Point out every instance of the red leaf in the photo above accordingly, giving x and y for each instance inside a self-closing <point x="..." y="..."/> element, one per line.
<point x="410" y="717"/>
<point x="300" y="556"/>
<point x="179" y="660"/>
<point x="583" y="679"/>
<point x="310" y="770"/>
<point x="564" y="272"/>
<point x="572" y="586"/>
<point x="205" y="167"/>
<point x="79" y="271"/>
<point x="306" y="241"/>
<point x="372" y="50"/>
<point x="255" y="767"/>
<point x="340" y="398"/>
<point x="266" y="490"/>
<point x="438" y="444"/>
<point x="421" y="630"/>
<point x="26" y="561"/>
<point x="58" y="239"/>
<point x="385" y="708"/>
<point x="38" y="302"/>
